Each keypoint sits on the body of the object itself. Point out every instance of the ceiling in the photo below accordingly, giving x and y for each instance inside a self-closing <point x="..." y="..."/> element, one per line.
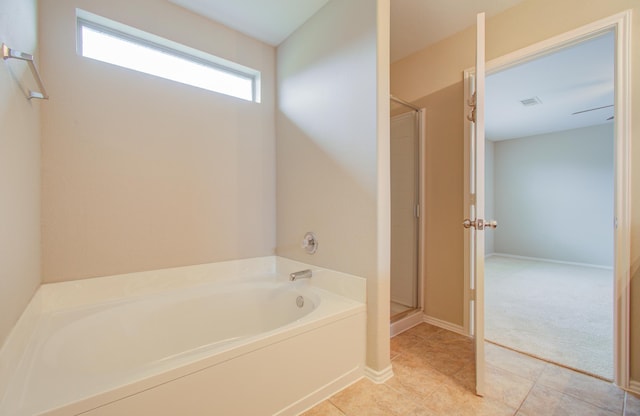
<point x="572" y="80"/>
<point x="569" y="81"/>
<point x="415" y="24"/>
<point x="270" y="21"/>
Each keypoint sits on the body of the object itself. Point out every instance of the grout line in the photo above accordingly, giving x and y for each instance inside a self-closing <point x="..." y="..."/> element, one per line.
<point x="336" y="406"/>
<point x="550" y="364"/>
<point x="535" y="383"/>
<point x="576" y="396"/>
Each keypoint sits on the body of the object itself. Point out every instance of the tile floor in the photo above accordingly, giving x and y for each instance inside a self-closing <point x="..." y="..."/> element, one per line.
<point x="434" y="376"/>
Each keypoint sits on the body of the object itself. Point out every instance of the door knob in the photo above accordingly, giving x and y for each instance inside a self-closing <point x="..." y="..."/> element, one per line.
<point x="479" y="224"/>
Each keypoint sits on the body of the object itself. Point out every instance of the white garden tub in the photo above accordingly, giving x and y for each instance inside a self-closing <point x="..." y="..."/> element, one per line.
<point x="232" y="338"/>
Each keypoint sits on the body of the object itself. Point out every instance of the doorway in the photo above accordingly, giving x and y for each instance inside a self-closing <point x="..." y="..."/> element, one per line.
<point x="549" y="160"/>
<point x="549" y="279"/>
<point x="406" y="122"/>
<point x="620" y="25"/>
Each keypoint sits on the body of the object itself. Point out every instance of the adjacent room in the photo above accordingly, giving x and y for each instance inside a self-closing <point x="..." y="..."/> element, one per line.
<point x="549" y="184"/>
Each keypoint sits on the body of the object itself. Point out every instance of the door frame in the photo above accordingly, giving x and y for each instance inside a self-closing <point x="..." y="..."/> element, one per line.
<point x="621" y="25"/>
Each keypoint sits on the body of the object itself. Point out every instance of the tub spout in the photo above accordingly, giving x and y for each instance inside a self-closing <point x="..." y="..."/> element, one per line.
<point x="302" y="274"/>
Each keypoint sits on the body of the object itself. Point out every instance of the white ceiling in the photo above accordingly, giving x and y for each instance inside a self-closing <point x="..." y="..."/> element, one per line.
<point x="415" y="24"/>
<point x="571" y="80"/>
<point x="270" y="21"/>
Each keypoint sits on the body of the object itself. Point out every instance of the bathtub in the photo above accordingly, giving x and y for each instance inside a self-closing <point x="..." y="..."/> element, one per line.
<point x="230" y="338"/>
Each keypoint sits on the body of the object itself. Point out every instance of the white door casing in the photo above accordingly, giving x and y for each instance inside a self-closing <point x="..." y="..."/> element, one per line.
<point x="621" y="25"/>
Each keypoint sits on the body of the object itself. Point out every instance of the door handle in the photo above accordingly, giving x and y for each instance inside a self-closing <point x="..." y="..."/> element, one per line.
<point x="479" y="224"/>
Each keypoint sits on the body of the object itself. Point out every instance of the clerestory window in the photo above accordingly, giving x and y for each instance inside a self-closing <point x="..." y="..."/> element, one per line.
<point x="124" y="46"/>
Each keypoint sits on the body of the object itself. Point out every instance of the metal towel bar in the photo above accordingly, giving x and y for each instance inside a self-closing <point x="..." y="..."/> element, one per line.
<point x="7" y="53"/>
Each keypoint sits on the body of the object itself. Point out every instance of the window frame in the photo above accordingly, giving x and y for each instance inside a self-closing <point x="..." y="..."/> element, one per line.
<point x="165" y="46"/>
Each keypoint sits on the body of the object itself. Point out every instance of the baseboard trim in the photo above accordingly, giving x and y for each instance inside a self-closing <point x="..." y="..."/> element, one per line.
<point x="323" y="393"/>
<point x="571" y="263"/>
<point x="378" y="377"/>
<point x="445" y="325"/>
<point x="634" y="387"/>
<point x="408" y="322"/>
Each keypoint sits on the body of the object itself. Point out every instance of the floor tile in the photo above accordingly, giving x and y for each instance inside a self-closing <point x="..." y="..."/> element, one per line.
<point x="402" y="341"/>
<point x="466" y="376"/>
<point x="548" y="402"/>
<point x="450" y="335"/>
<point x="427" y="331"/>
<point x="415" y="379"/>
<point x="506" y="387"/>
<point x="632" y="405"/>
<point x="447" y="355"/>
<point x="514" y="362"/>
<point x="366" y="398"/>
<point x="326" y="408"/>
<point x="453" y="399"/>
<point x="434" y="375"/>
<point x="589" y="389"/>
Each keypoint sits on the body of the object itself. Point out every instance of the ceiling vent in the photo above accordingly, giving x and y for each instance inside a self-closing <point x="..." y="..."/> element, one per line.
<point x="528" y="102"/>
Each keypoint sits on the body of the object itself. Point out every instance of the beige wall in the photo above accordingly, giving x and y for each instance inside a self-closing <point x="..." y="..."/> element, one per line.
<point x="19" y="166"/>
<point x="142" y="173"/>
<point x="437" y="70"/>
<point x="327" y="146"/>
<point x="444" y="284"/>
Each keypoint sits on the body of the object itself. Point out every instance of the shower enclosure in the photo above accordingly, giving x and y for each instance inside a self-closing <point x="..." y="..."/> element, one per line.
<point x="406" y="130"/>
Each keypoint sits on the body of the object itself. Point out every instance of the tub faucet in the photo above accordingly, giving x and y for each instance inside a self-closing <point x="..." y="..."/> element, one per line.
<point x="302" y="274"/>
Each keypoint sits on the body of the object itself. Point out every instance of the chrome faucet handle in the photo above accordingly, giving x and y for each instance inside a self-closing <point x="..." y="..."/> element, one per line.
<point x="310" y="243"/>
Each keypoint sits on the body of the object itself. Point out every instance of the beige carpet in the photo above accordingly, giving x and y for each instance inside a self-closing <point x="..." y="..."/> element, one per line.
<point x="561" y="313"/>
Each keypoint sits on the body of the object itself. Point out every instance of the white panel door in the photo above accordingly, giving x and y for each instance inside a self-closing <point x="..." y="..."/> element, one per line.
<point x="476" y="224"/>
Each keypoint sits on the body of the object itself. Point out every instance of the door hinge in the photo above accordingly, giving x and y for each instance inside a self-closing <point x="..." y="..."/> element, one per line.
<point x="472" y="115"/>
<point x="472" y="294"/>
<point x="417" y="211"/>
<point x="472" y="102"/>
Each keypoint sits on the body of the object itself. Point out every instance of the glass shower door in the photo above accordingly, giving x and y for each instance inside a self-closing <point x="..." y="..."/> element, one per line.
<point x="404" y="210"/>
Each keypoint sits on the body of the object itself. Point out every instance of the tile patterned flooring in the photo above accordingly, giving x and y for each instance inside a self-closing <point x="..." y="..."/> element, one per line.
<point x="434" y="376"/>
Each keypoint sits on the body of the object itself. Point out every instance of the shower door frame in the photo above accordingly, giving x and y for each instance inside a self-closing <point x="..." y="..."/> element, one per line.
<point x="415" y="316"/>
